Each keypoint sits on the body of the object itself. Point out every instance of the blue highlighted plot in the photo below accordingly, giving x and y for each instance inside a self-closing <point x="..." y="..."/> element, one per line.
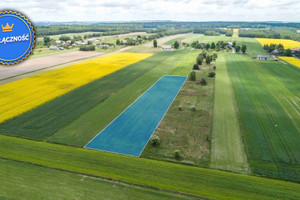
<point x="130" y="131"/>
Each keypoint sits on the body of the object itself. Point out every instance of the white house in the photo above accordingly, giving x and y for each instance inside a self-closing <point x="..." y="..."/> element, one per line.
<point x="91" y="40"/>
<point x="262" y="57"/>
<point x="230" y="43"/>
<point x="53" y="48"/>
<point x="167" y="48"/>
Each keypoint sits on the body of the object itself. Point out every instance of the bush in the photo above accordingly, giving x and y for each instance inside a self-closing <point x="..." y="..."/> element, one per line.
<point x="202" y="82"/>
<point x="192" y="76"/>
<point x="193" y="108"/>
<point x="196" y="67"/>
<point x="155" y="140"/>
<point x="199" y="60"/>
<point x="214" y="67"/>
<point x="208" y="59"/>
<point x="179" y="107"/>
<point x="87" y="48"/>
<point x="177" y="154"/>
<point x="211" y="74"/>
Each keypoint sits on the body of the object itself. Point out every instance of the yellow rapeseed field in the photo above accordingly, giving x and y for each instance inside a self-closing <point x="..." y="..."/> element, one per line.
<point x="291" y="60"/>
<point x="287" y="44"/>
<point x="25" y="94"/>
<point x="235" y="33"/>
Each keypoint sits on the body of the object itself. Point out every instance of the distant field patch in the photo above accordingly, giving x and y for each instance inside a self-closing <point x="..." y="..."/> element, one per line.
<point x="23" y="95"/>
<point x="235" y="33"/>
<point x="288" y="44"/>
<point x="291" y="60"/>
<point x="131" y="130"/>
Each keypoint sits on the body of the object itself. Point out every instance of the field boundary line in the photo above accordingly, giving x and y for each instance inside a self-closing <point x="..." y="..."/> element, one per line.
<point x="166" y="111"/>
<point x="128" y="108"/>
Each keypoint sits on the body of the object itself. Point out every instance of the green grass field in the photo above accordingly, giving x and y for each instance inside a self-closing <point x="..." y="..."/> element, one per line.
<point x="196" y="181"/>
<point x="268" y="128"/>
<point x="22" y="180"/>
<point x="184" y="129"/>
<point x="227" y="150"/>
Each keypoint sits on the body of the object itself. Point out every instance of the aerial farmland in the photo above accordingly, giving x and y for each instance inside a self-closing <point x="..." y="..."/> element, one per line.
<point x="153" y="110"/>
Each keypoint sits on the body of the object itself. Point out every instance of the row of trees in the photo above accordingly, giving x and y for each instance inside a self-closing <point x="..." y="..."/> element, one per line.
<point x="204" y="57"/>
<point x="243" y="49"/>
<point x="277" y="33"/>
<point x="280" y="49"/>
<point x="48" y="40"/>
<point x="218" y="46"/>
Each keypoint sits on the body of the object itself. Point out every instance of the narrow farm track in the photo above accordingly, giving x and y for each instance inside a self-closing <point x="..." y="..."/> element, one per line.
<point x="270" y="134"/>
<point x="227" y="151"/>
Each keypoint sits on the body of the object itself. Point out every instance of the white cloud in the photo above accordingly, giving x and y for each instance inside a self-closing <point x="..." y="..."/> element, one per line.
<point x="179" y="10"/>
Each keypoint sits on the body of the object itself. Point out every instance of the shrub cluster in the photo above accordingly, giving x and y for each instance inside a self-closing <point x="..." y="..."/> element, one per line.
<point x="87" y="48"/>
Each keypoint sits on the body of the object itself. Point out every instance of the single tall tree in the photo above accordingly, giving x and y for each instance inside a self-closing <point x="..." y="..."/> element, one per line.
<point x="207" y="46"/>
<point x="213" y="45"/>
<point x="199" y="60"/>
<point x="244" y="48"/>
<point x="155" y="43"/>
<point x="234" y="44"/>
<point x="176" y="45"/>
<point x="46" y="40"/>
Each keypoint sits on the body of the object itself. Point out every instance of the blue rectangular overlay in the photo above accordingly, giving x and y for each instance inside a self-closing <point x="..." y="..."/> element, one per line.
<point x="130" y="131"/>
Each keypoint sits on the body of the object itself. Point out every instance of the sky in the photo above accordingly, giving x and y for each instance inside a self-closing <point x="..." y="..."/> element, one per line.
<point x="139" y="10"/>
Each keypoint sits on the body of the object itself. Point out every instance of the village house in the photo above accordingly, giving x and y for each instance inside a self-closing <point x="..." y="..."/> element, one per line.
<point x="262" y="57"/>
<point x="53" y="48"/>
<point x="68" y="42"/>
<point x="296" y="49"/>
<point x="275" y="52"/>
<point x="167" y="48"/>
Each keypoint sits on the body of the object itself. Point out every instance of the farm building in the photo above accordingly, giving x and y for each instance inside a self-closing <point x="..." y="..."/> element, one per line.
<point x="53" y="48"/>
<point x="263" y="57"/>
<point x="296" y="49"/>
<point x="230" y="44"/>
<point x="274" y="52"/>
<point x="167" y="48"/>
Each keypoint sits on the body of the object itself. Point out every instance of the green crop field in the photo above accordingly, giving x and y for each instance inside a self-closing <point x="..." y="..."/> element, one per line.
<point x="245" y="120"/>
<point x="267" y="120"/>
<point x="227" y="151"/>
<point x="24" y="180"/>
<point x="144" y="172"/>
<point x="79" y="115"/>
<point x="183" y="128"/>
